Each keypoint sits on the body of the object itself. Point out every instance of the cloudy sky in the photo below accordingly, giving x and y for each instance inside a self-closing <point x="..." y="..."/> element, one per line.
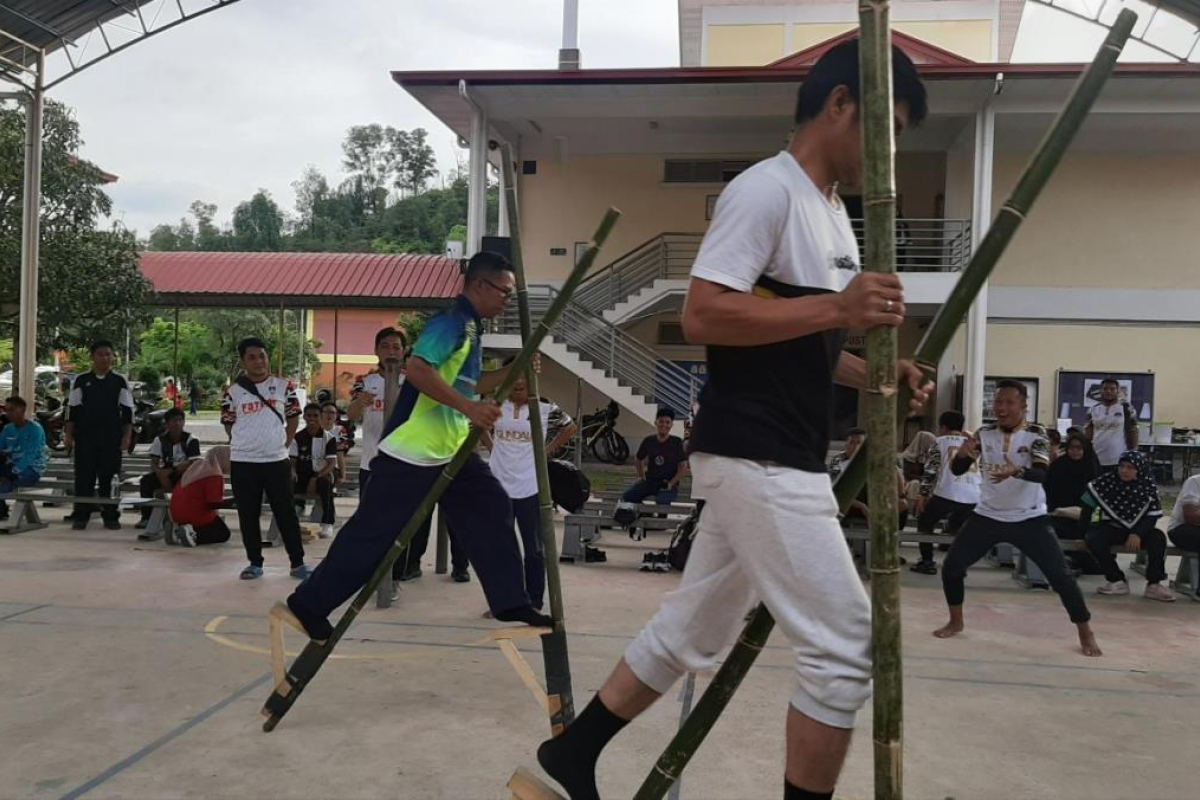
<point x="249" y="95"/>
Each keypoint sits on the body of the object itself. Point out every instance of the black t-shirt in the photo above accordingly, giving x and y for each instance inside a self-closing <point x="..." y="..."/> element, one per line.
<point x="100" y="406"/>
<point x="662" y="458"/>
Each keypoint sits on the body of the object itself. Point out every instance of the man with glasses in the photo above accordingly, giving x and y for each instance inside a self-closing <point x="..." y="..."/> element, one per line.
<point x="444" y="394"/>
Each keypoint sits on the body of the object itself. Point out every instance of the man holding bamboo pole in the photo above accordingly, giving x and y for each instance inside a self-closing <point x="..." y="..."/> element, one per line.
<point x="774" y="288"/>
<point x="438" y="403"/>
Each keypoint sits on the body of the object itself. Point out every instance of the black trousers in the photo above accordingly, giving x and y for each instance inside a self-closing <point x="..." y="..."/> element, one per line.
<point x="1033" y="537"/>
<point x="529" y="521"/>
<point x="1186" y="537"/>
<point x="476" y="506"/>
<point x="412" y="555"/>
<point x="249" y="481"/>
<point x="1107" y="535"/>
<point x="937" y="509"/>
<point x="324" y="493"/>
<point x="96" y="462"/>
<point x="215" y="532"/>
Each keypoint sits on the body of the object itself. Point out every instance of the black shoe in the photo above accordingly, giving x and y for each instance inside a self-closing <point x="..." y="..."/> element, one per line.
<point x="460" y="576"/>
<point x="925" y="567"/>
<point x="142" y="523"/>
<point x="594" y="555"/>
<point x="112" y="525"/>
<point x="78" y="524"/>
<point x="411" y="574"/>
<point x="266" y="544"/>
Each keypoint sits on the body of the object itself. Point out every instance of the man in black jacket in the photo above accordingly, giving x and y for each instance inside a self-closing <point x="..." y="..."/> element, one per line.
<point x="98" y="429"/>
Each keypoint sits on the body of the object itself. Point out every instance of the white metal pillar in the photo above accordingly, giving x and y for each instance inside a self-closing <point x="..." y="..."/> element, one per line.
<point x="981" y="220"/>
<point x="568" y="54"/>
<point x="26" y="366"/>
<point x="502" y="228"/>
<point x="477" y="175"/>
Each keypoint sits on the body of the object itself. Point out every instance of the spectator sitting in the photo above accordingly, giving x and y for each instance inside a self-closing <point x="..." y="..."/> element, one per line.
<point x="661" y="464"/>
<point x="1055" y="439"/>
<point x="858" y="510"/>
<point x="170" y="455"/>
<point x="201" y="491"/>
<point x="944" y="495"/>
<point x="914" y="457"/>
<point x="314" y="457"/>
<point x="1130" y="510"/>
<point x="22" y="450"/>
<point x="1184" y="528"/>
<point x="1066" y="483"/>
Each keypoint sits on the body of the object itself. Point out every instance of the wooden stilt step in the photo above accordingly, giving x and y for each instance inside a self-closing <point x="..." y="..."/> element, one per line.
<point x="524" y="785"/>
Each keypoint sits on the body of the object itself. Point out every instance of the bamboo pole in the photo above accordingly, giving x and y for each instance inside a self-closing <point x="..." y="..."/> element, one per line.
<point x="309" y="662"/>
<point x="1045" y="160"/>
<point x="554" y="646"/>
<point x="879" y="205"/>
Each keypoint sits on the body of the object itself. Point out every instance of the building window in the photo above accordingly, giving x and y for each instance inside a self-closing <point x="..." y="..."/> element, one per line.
<point x="703" y="170"/>
<point x="671" y="333"/>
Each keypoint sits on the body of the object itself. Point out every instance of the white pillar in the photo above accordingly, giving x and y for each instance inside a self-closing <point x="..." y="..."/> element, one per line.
<point x="477" y="180"/>
<point x="502" y="228"/>
<point x="31" y="237"/>
<point x="568" y="54"/>
<point x="981" y="220"/>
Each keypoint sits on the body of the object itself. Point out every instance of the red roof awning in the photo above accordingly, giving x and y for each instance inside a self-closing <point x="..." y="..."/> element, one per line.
<point x="307" y="280"/>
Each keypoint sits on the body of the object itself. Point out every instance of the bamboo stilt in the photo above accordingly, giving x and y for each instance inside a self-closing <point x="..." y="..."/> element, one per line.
<point x="309" y="662"/>
<point x="1045" y="160"/>
<point x="879" y="204"/>
<point x="554" y="646"/>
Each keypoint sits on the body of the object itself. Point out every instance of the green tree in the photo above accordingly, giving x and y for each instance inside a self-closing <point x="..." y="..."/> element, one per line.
<point x="88" y="282"/>
<point x="258" y="224"/>
<point x="208" y="236"/>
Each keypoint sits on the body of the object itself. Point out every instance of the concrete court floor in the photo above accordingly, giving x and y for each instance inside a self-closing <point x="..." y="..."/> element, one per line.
<point x="110" y="687"/>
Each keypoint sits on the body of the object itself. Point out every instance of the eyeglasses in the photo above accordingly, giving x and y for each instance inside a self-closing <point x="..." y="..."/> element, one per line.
<point x="507" y="291"/>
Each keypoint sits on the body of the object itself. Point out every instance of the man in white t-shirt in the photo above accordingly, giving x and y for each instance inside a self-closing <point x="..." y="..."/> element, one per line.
<point x="314" y="455"/>
<point x="366" y="398"/>
<point x="1013" y="456"/>
<point x="1112" y="425"/>
<point x="260" y="413"/>
<point x="1184" y="528"/>
<point x="775" y="286"/>
<point x="944" y="495"/>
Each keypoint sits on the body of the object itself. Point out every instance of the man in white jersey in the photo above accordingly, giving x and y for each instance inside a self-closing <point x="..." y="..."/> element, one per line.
<point x="1112" y="425"/>
<point x="944" y="495"/>
<point x="1013" y="456"/>
<point x="775" y="286"/>
<point x="366" y="398"/>
<point x="260" y="413"/>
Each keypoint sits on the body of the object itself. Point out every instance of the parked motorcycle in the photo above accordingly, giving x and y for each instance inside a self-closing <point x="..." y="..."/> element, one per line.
<point x="52" y="418"/>
<point x="148" y="423"/>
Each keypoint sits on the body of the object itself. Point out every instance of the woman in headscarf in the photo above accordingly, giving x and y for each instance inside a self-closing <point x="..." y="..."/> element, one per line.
<point x="1066" y="484"/>
<point x="201" y="491"/>
<point x="1129" y="512"/>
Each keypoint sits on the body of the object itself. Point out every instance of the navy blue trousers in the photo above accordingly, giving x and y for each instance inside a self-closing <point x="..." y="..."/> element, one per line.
<point x="476" y="507"/>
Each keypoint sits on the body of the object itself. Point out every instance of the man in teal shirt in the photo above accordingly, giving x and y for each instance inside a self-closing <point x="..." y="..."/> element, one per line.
<point x="22" y="450"/>
<point x="438" y="404"/>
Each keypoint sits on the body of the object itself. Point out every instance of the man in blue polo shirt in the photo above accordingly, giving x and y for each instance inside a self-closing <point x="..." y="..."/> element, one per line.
<point x="22" y="450"/>
<point x="439" y="402"/>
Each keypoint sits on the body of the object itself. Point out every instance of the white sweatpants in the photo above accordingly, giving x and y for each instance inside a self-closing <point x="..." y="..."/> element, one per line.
<point x="767" y="532"/>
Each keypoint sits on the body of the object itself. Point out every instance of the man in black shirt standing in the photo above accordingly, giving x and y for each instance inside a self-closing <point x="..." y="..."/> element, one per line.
<point x="661" y="464"/>
<point x="99" y="424"/>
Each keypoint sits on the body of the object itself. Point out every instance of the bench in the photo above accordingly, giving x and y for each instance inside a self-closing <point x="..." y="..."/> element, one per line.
<point x="24" y="515"/>
<point x="583" y="528"/>
<point x="1186" y="582"/>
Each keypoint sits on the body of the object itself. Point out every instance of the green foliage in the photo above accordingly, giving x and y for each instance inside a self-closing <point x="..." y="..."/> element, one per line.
<point x="6" y="353"/>
<point x="412" y="323"/>
<point x="89" y="284"/>
<point x="258" y="224"/>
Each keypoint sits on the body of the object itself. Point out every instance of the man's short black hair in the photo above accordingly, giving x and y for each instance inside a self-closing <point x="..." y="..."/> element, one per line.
<point x="247" y="343"/>
<point x="486" y="262"/>
<point x="330" y="404"/>
<point x="312" y="407"/>
<point x="839" y="67"/>
<point x="389" y="331"/>
<point x="664" y="411"/>
<point x="1113" y="381"/>
<point x="99" y="343"/>
<point x="174" y="413"/>
<point x="17" y="400"/>
<point x="1053" y="435"/>
<point x="952" y="420"/>
<point x="1020" y="387"/>
<point x="856" y="432"/>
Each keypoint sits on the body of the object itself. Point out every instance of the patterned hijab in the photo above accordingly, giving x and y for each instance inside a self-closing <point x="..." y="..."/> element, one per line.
<point x="1128" y="502"/>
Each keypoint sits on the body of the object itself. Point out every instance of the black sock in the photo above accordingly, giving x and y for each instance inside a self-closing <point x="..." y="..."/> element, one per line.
<point x="571" y="758"/>
<point x="791" y="792"/>
<point x="525" y="614"/>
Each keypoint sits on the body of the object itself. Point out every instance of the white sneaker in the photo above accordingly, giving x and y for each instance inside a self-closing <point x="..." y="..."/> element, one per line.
<point x="1156" y="591"/>
<point x="1114" y="588"/>
<point x="326" y="531"/>
<point x="185" y="535"/>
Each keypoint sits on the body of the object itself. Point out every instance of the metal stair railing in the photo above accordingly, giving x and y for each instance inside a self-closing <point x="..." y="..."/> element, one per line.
<point x="666" y="256"/>
<point x="608" y="348"/>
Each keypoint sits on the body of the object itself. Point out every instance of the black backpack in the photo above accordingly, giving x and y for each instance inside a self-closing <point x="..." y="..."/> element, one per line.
<point x="681" y="541"/>
<point x="569" y="487"/>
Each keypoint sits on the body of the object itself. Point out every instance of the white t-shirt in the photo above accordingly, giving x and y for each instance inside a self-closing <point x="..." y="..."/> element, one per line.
<point x="959" y="488"/>
<point x="1014" y="499"/>
<point x="372" y="418"/>
<point x="324" y="448"/>
<point x="512" y="446"/>
<point x="259" y="434"/>
<point x="1190" y="493"/>
<point x="776" y="234"/>
<point x="181" y="451"/>
<point x="1110" y="425"/>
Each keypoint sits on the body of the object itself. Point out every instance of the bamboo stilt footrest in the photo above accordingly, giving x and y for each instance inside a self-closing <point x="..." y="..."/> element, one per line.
<point x="277" y="617"/>
<point x="503" y="639"/>
<point x="524" y="785"/>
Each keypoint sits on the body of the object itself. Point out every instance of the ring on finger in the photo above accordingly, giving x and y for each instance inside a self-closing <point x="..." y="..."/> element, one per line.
<point x="888" y="305"/>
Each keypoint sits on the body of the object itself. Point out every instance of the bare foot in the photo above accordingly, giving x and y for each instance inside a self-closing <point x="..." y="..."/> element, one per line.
<point x="951" y="628"/>
<point x="1087" y="642"/>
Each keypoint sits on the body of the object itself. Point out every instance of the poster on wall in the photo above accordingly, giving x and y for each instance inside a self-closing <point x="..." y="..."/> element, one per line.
<point x="1078" y="391"/>
<point x="989" y="394"/>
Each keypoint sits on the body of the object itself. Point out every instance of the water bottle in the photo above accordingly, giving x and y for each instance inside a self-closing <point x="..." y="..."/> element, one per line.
<point x="115" y="492"/>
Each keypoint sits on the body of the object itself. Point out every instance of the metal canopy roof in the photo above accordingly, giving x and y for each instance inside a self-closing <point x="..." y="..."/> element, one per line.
<point x="74" y="34"/>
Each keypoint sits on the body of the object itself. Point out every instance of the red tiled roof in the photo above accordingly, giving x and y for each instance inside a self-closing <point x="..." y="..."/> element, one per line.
<point x="314" y="280"/>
